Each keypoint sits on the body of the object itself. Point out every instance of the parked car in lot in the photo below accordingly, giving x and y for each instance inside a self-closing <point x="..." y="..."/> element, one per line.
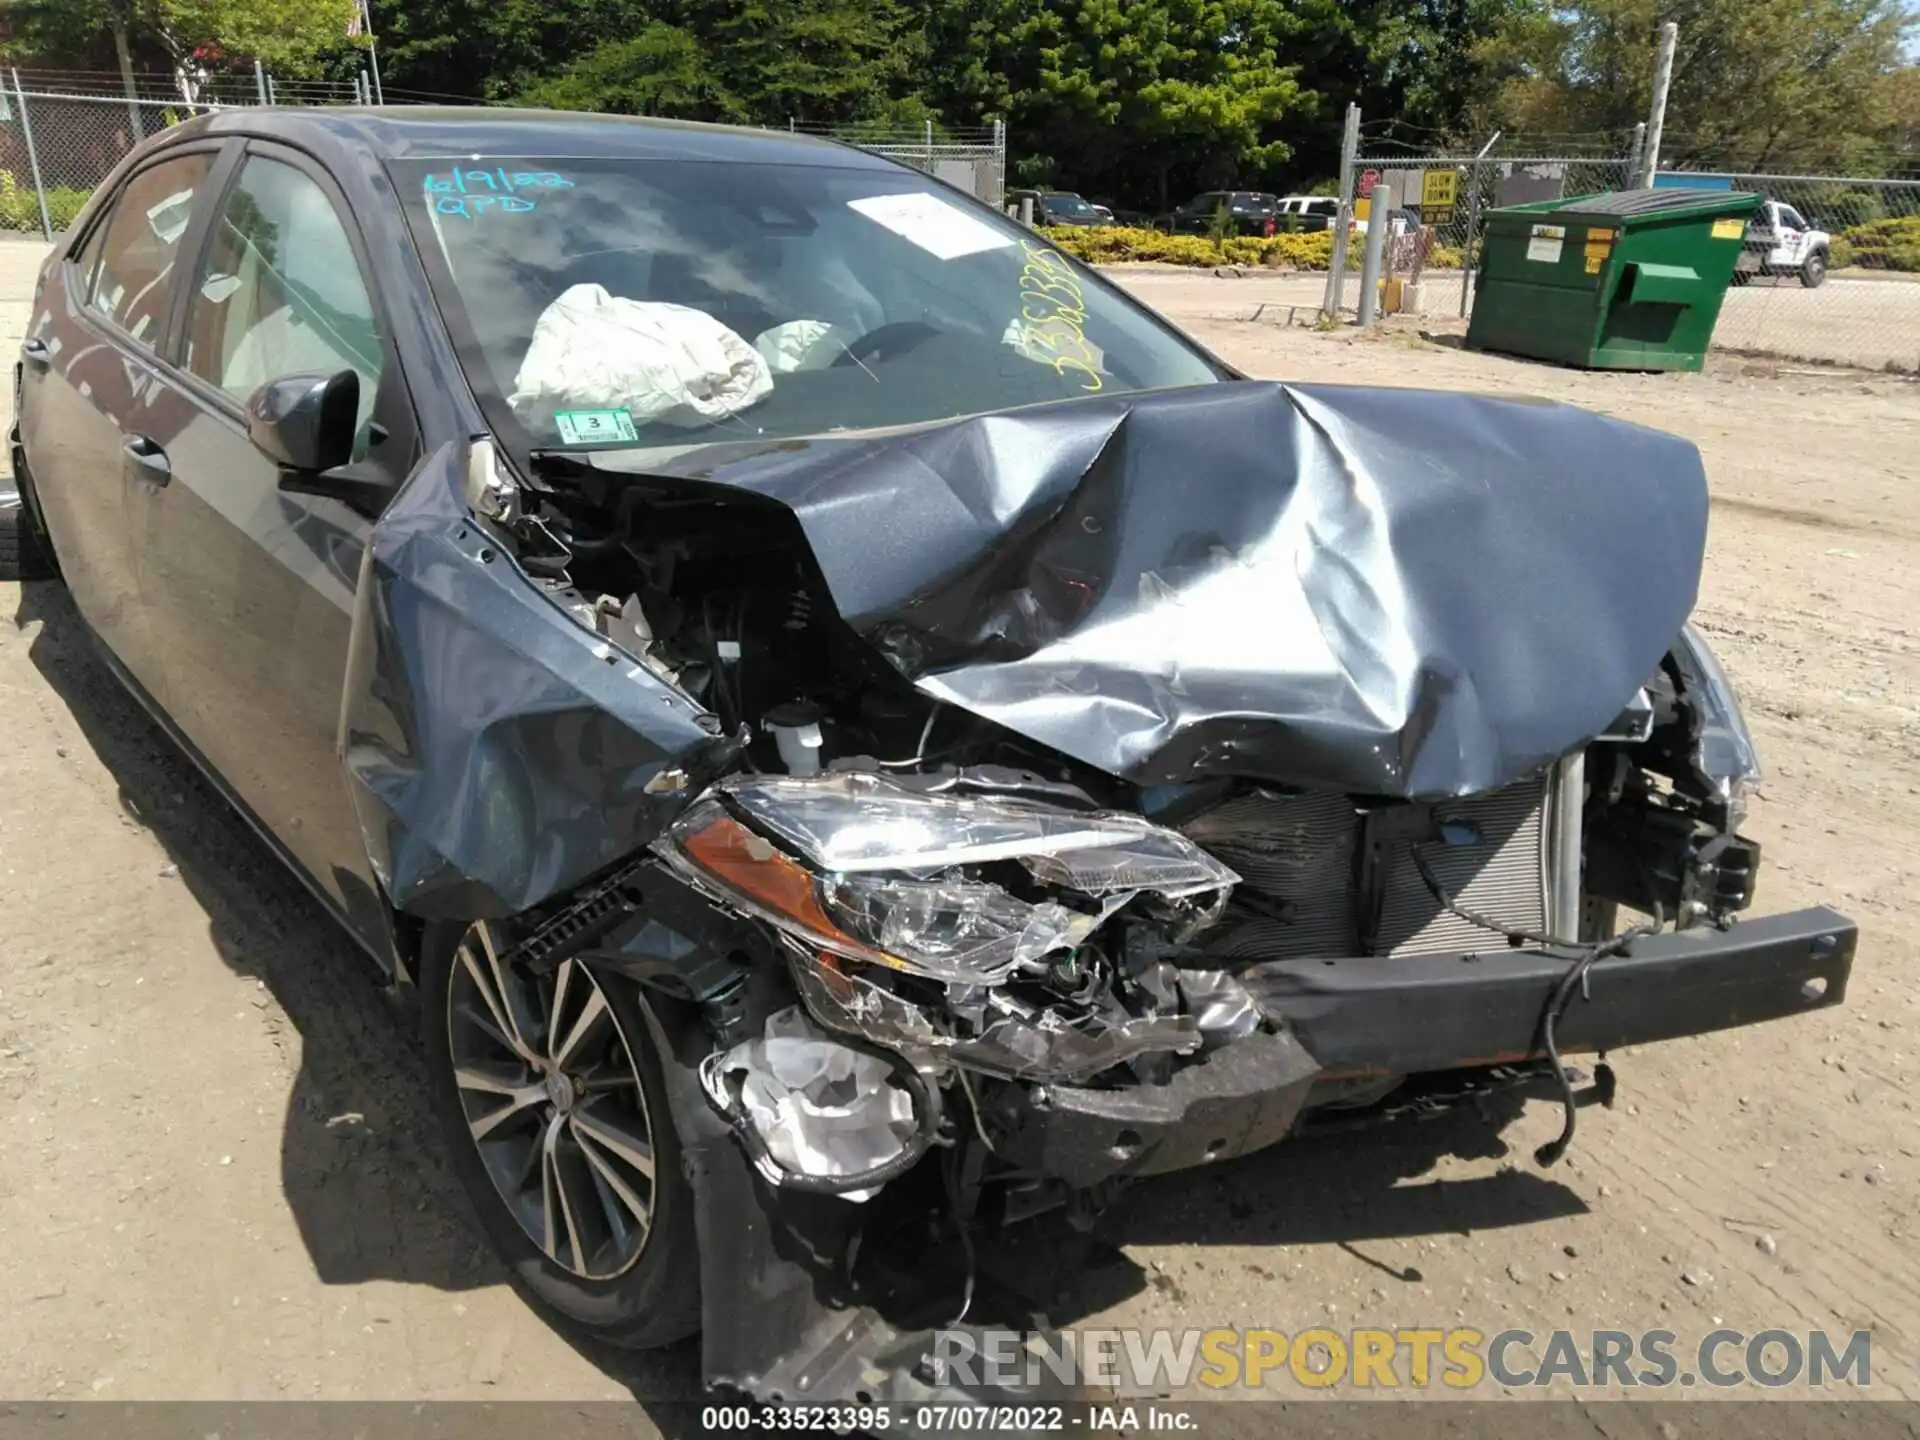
<point x="1060" y="207"/>
<point x="1780" y="241"/>
<point x="1248" y="212"/>
<point x="1308" y="212"/>
<point x="851" y="729"/>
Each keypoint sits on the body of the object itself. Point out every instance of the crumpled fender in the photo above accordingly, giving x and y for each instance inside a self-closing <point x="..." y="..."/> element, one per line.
<point x="496" y="752"/>
<point x="1390" y="592"/>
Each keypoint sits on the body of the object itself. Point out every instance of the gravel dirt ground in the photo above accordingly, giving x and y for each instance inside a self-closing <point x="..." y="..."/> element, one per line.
<point x="218" y="1179"/>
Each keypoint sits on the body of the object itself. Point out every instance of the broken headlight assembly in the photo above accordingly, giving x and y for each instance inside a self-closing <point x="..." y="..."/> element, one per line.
<point x="965" y="889"/>
<point x="1723" y="752"/>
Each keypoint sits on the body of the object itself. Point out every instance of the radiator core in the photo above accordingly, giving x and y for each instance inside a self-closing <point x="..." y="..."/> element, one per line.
<point x="1306" y="859"/>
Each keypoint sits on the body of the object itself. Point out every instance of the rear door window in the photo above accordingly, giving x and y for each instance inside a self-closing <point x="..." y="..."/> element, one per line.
<point x="140" y="245"/>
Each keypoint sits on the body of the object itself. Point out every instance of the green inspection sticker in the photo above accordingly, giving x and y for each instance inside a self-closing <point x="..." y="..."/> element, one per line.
<point x="593" y="427"/>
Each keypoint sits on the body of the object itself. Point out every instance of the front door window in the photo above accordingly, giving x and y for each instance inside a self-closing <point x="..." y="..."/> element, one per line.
<point x="281" y="292"/>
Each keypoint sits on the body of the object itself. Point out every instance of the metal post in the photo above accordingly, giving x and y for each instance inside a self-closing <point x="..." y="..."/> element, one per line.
<point x="1343" y="216"/>
<point x="999" y="161"/>
<point x="33" y="156"/>
<point x="1379" y="207"/>
<point x="1634" y="152"/>
<point x="260" y="81"/>
<point x="1657" y="116"/>
<point x="929" y="146"/>
<point x="1473" y="221"/>
<point x="272" y="99"/>
<point x="373" y="69"/>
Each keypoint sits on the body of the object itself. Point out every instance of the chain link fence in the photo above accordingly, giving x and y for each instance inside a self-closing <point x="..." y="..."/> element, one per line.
<point x="972" y="159"/>
<point x="1434" y="224"/>
<point x="1840" y="270"/>
<point x="55" y="147"/>
<point x="1839" y="256"/>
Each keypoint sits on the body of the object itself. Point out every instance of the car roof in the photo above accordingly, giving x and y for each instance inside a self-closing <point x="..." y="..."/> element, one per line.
<point x="431" y="132"/>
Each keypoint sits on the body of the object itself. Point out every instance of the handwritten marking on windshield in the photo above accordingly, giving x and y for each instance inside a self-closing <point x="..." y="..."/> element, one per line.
<point x="1053" y="314"/>
<point x="459" y="192"/>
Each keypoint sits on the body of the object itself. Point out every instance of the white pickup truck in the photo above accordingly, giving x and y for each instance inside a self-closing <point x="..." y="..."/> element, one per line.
<point x="1781" y="242"/>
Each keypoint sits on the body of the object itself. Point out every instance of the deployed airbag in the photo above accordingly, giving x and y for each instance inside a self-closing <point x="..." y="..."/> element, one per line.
<point x="593" y="350"/>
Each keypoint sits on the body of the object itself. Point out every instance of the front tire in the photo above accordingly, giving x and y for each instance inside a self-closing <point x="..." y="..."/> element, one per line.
<point x="551" y="1096"/>
<point x="1813" y="271"/>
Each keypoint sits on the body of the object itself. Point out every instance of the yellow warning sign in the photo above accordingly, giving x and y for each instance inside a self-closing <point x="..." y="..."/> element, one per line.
<point x="1599" y="246"/>
<point x="1729" y="229"/>
<point x="1439" y="189"/>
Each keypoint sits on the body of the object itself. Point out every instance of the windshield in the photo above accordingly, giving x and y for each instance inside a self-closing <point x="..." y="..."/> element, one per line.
<point x="661" y="302"/>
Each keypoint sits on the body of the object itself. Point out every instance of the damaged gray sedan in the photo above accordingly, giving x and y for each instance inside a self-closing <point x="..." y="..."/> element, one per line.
<point x="855" y="729"/>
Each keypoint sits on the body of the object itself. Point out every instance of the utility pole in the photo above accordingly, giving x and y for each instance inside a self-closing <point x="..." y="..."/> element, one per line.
<point x="1473" y="222"/>
<point x="1634" y="152"/>
<point x="1343" y="216"/>
<point x="1657" y="116"/>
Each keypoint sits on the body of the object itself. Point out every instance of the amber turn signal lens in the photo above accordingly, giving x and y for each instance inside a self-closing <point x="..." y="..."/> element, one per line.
<point x="758" y="870"/>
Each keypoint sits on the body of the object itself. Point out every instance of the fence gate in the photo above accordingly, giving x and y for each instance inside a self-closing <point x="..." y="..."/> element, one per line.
<point x="1450" y="193"/>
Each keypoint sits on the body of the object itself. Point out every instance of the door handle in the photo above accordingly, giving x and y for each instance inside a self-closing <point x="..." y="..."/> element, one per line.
<point x="149" y="460"/>
<point x="36" y="354"/>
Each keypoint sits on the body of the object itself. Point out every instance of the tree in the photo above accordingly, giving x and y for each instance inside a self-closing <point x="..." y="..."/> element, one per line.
<point x="813" y="60"/>
<point x="1757" y="84"/>
<point x="1132" y="96"/>
<point x="661" y="71"/>
<point x="190" y="36"/>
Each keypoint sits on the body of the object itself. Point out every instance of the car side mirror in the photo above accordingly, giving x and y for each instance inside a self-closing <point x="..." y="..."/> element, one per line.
<point x="305" y="423"/>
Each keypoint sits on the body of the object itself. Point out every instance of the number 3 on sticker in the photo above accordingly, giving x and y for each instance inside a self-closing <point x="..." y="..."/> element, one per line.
<point x="593" y="427"/>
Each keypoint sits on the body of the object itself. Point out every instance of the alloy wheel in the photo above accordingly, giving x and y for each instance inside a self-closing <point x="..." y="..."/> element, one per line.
<point x="554" y="1102"/>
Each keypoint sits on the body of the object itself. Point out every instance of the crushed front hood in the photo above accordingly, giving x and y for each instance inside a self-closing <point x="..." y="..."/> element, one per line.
<point x="1392" y="592"/>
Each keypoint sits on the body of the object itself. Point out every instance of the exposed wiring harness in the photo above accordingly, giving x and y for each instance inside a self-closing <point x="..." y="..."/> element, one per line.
<point x="1582" y="958"/>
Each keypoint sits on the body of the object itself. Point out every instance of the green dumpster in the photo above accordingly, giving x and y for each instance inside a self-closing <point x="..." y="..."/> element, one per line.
<point x="1631" y="280"/>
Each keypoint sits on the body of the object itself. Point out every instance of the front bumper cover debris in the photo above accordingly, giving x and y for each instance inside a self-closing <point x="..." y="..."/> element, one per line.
<point x="781" y="1323"/>
<point x="1344" y="1019"/>
<point x="1400" y="1016"/>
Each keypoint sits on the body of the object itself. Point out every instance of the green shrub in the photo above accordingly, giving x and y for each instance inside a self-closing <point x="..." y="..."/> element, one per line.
<point x="20" y="211"/>
<point x="1892" y="244"/>
<point x="1114" y="244"/>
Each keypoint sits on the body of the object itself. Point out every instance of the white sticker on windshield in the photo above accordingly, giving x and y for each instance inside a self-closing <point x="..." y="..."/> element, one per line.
<point x="942" y="230"/>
